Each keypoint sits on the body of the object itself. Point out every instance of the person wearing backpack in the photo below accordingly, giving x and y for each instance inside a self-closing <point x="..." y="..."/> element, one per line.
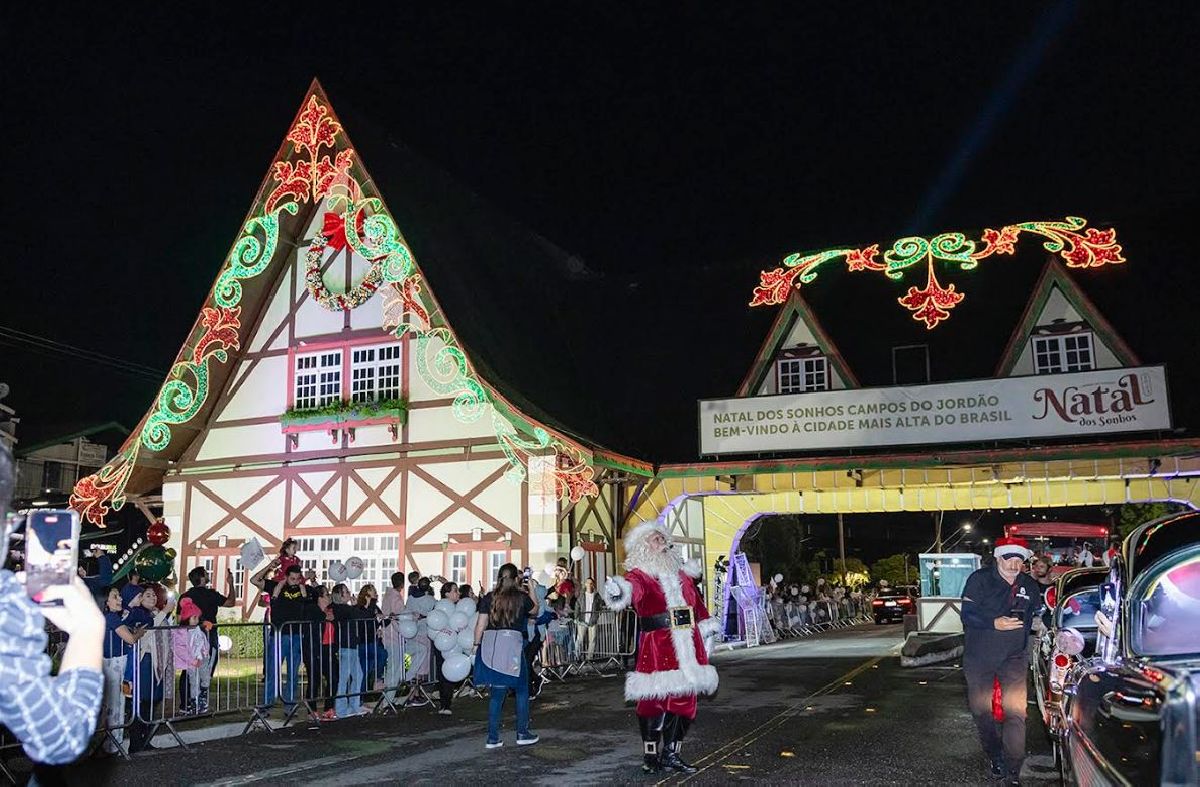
<point x="500" y="641"/>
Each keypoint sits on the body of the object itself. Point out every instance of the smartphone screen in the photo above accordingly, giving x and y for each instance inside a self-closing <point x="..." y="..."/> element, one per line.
<point x="51" y="550"/>
<point x="527" y="573"/>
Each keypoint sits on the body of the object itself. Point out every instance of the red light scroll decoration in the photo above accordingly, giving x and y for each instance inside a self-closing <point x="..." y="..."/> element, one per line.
<point x="1079" y="248"/>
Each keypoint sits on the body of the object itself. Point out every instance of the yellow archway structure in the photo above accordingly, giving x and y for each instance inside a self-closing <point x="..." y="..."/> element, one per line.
<point x="726" y="501"/>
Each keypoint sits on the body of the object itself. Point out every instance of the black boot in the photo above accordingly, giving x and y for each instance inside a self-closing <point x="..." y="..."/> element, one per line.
<point x="652" y="733"/>
<point x="676" y="727"/>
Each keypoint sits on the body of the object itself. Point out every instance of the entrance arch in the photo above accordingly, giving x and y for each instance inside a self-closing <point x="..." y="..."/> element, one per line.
<point x="701" y="499"/>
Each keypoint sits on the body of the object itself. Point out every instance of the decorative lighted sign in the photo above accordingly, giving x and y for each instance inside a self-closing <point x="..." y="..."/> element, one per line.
<point x="932" y="303"/>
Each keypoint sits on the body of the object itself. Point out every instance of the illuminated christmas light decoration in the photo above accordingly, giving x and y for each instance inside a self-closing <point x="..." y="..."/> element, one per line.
<point x="1092" y="248"/>
<point x="250" y="256"/>
<point x="364" y="226"/>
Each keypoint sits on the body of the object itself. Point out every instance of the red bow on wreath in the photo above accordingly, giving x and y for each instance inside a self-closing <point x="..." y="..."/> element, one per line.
<point x="335" y="230"/>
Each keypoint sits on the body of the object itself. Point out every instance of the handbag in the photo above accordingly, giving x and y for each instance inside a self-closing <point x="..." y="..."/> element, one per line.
<point x="502" y="650"/>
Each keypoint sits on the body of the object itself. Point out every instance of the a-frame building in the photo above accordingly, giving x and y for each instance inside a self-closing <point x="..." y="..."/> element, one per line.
<point x="324" y="395"/>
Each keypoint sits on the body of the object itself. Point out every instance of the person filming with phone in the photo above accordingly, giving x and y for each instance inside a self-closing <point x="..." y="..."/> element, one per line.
<point x="53" y="716"/>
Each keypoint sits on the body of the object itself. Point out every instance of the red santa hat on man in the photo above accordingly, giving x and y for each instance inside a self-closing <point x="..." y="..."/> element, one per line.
<point x="1011" y="546"/>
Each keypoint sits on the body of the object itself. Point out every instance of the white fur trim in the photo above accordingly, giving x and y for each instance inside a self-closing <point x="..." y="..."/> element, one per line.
<point x="670" y="683"/>
<point x="708" y="627"/>
<point x="692" y="677"/>
<point x="1008" y="549"/>
<point x="618" y="603"/>
<point x="693" y="568"/>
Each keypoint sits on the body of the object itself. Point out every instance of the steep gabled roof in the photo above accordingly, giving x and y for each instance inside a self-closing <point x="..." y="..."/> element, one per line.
<point x="429" y="225"/>
<point x="1054" y="277"/>
<point x="795" y="309"/>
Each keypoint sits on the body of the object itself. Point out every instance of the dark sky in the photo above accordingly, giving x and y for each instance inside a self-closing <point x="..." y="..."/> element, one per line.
<point x="640" y="139"/>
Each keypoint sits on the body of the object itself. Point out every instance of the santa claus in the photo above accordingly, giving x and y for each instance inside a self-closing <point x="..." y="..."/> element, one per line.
<point x="672" y="662"/>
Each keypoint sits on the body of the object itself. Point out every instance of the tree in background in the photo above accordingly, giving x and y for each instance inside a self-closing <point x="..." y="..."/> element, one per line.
<point x="856" y="573"/>
<point x="1134" y="514"/>
<point x="892" y="569"/>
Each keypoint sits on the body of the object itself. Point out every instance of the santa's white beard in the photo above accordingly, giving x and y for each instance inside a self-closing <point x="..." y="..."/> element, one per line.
<point x="654" y="562"/>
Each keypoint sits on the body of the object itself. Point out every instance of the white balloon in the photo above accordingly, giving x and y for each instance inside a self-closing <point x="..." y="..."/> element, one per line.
<point x="445" y="605"/>
<point x="422" y="628"/>
<point x="408" y="629"/>
<point x="427" y="604"/>
<point x="224" y="643"/>
<point x="354" y="568"/>
<point x="459" y="621"/>
<point x="466" y="639"/>
<point x="438" y="620"/>
<point x="466" y="606"/>
<point x="337" y="571"/>
<point x="778" y="578"/>
<point x="577" y="553"/>
<point x="550" y="568"/>
<point x="456" y="668"/>
<point x="445" y="640"/>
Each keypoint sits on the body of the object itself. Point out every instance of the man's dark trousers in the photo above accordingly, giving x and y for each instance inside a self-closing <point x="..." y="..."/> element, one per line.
<point x="1005" y="741"/>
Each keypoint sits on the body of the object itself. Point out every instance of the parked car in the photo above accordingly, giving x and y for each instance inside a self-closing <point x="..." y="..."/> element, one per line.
<point x="892" y="604"/>
<point x="1069" y="637"/>
<point x="1130" y="710"/>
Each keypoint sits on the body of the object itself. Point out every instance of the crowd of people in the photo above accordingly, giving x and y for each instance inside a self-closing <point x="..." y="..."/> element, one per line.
<point x="794" y="606"/>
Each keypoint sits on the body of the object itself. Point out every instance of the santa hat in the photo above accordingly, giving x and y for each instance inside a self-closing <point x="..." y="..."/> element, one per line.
<point x="188" y="609"/>
<point x="1011" y="546"/>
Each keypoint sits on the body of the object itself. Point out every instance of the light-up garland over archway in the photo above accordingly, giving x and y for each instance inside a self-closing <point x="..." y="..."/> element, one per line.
<point x="931" y="304"/>
<point x="361" y="223"/>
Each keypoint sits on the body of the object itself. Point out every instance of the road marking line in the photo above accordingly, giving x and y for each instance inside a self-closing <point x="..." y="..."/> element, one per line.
<point x="287" y="770"/>
<point x="796" y="708"/>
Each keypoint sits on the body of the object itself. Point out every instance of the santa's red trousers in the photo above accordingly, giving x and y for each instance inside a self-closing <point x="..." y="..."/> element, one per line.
<point x="680" y="706"/>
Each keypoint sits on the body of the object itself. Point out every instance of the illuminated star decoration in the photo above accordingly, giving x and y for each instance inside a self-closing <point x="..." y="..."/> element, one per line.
<point x="931" y="304"/>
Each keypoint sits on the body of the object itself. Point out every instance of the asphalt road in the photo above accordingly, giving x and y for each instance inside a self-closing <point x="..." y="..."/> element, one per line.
<point x="834" y="709"/>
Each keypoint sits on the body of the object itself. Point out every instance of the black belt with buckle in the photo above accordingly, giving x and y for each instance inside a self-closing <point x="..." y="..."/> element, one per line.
<point x="674" y="618"/>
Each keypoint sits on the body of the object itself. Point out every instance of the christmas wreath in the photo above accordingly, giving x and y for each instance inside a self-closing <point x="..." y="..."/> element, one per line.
<point x="333" y="235"/>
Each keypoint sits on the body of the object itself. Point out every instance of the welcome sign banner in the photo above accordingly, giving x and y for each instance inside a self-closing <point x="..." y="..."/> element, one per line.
<point x="1010" y="408"/>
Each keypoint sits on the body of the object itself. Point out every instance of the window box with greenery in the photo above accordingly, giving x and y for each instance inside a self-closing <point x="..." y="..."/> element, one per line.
<point x="340" y="415"/>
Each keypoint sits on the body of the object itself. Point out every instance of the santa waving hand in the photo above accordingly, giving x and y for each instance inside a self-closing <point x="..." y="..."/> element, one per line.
<point x="672" y="663"/>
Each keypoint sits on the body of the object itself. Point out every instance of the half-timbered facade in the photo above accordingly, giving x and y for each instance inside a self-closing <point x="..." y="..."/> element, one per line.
<point x="325" y="396"/>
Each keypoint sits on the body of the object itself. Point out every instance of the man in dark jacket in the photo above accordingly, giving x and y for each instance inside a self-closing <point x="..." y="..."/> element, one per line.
<point x="997" y="611"/>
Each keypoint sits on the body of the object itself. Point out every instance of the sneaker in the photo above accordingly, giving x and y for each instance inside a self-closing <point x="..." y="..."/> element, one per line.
<point x="527" y="739"/>
<point x="445" y="712"/>
<point x="329" y="715"/>
<point x="997" y="769"/>
<point x="493" y="744"/>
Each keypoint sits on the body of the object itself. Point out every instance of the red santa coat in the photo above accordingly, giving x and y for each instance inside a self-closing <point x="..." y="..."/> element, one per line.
<point x="671" y="662"/>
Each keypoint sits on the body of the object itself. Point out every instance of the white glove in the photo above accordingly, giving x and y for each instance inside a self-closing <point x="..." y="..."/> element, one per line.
<point x="611" y="588"/>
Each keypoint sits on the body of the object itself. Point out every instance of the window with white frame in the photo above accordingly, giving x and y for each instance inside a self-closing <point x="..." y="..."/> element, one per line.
<point x="375" y="373"/>
<point x="495" y="560"/>
<point x="208" y="568"/>
<point x="800" y="375"/>
<point x="1069" y="353"/>
<point x="389" y="543"/>
<point x="364" y="543"/>
<point x="239" y="577"/>
<point x="458" y="567"/>
<point x="318" y="380"/>
<point x="331" y="544"/>
<point x="306" y="544"/>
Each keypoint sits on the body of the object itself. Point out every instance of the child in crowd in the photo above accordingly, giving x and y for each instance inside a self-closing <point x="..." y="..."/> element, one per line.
<point x="189" y="645"/>
<point x="287" y="559"/>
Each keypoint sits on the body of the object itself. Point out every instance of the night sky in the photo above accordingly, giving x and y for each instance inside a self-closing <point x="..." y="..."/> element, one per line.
<point x="649" y="142"/>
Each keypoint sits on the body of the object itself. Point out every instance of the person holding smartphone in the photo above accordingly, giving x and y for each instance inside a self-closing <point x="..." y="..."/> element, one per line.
<point x="53" y="716"/>
<point x="997" y="612"/>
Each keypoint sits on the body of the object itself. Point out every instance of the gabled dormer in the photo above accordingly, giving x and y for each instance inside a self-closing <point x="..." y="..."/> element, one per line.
<point x="797" y="356"/>
<point x="1062" y="331"/>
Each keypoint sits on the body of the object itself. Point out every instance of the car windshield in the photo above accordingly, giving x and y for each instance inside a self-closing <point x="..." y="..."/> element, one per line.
<point x="1079" y="610"/>
<point x="1165" y="612"/>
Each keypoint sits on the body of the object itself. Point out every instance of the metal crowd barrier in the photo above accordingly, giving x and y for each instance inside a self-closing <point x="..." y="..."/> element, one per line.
<point x="299" y="663"/>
